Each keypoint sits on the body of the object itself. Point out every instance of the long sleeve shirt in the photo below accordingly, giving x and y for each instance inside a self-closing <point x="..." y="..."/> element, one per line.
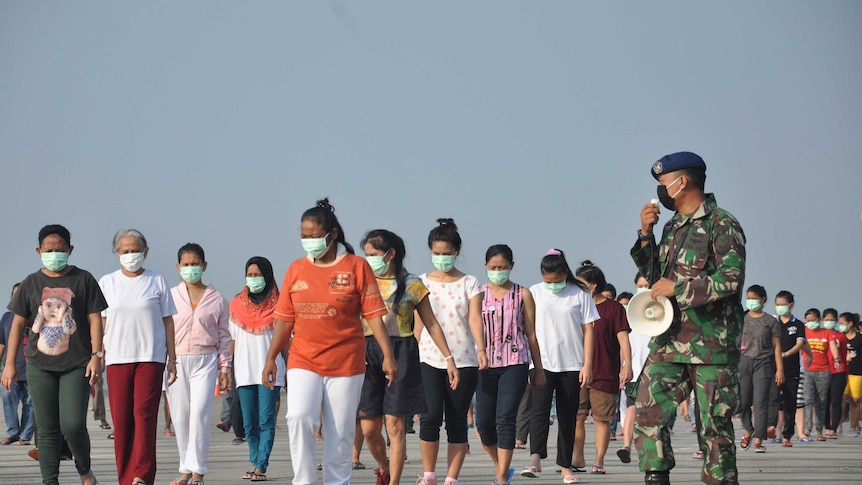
<point x="203" y="329"/>
<point x="704" y="255"/>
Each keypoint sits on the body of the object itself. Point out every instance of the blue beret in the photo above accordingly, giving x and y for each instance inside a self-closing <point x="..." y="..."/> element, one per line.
<point x="677" y="161"/>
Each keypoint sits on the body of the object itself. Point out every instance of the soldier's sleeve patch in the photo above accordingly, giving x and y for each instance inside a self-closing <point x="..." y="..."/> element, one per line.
<point x="722" y="243"/>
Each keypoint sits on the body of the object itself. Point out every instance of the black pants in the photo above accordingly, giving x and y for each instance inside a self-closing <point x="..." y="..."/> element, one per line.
<point x="833" y="405"/>
<point x="785" y="396"/>
<point x="568" y="390"/>
<point x="441" y="398"/>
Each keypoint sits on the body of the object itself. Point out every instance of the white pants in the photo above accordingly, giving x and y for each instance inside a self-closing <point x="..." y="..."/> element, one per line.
<point x="191" y="398"/>
<point x="310" y="396"/>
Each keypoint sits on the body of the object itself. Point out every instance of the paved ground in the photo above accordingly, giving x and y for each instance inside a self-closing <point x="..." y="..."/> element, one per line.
<point x="835" y="461"/>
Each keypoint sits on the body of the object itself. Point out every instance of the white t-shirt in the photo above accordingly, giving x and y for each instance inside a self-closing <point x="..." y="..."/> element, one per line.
<point x="249" y="357"/>
<point x="135" y="329"/>
<point x="451" y="305"/>
<point x="559" y="321"/>
<point x="640" y="351"/>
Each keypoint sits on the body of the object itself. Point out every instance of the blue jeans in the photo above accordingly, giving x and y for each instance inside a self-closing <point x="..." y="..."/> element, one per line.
<point x="497" y="397"/>
<point x="22" y="428"/>
<point x="258" y="415"/>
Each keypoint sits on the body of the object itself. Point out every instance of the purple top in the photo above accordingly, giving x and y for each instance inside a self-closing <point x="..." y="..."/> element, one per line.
<point x="503" y="322"/>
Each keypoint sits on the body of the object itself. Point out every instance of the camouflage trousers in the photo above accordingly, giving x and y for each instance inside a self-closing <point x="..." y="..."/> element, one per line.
<point x="664" y="384"/>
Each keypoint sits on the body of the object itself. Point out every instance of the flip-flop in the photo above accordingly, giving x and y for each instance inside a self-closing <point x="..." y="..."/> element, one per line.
<point x="625" y="454"/>
<point x="531" y="472"/>
<point x="571" y="479"/>
<point x="598" y="470"/>
<point x="105" y="426"/>
<point x="247" y="475"/>
<point x="259" y="477"/>
<point x="745" y="442"/>
<point x="578" y="469"/>
<point x="357" y="465"/>
<point x="180" y="481"/>
<point x="510" y="475"/>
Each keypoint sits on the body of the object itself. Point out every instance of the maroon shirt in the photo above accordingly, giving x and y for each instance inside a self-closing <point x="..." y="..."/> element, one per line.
<point x="606" y="352"/>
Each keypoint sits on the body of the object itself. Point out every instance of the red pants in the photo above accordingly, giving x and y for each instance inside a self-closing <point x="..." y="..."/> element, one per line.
<point x="135" y="391"/>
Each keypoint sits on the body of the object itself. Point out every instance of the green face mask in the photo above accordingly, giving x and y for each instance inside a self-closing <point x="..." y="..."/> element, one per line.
<point x="499" y="277"/>
<point x="782" y="310"/>
<point x="555" y="287"/>
<point x="377" y="264"/>
<point x="315" y="246"/>
<point x="191" y="274"/>
<point x="55" y="261"/>
<point x="641" y="290"/>
<point x="812" y="325"/>
<point x="443" y="262"/>
<point x="830" y="324"/>
<point x="255" y="284"/>
<point x="842" y="328"/>
<point x="753" y="305"/>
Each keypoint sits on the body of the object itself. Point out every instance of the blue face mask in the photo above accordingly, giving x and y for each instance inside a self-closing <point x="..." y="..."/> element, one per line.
<point x="55" y="261"/>
<point x="555" y="287"/>
<point x="255" y="284"/>
<point x="443" y="262"/>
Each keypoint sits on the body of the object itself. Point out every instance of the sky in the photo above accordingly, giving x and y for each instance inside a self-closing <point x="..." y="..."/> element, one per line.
<point x="532" y="124"/>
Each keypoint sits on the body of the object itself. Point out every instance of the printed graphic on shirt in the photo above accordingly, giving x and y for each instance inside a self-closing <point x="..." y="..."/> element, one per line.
<point x="341" y="283"/>
<point x="817" y="344"/>
<point x="54" y="322"/>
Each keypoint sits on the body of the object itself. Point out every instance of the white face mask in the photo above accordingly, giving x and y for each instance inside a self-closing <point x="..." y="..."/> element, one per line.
<point x="132" y="262"/>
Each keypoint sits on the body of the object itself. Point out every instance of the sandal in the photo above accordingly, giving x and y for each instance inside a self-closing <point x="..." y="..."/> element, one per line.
<point x="745" y="442"/>
<point x="180" y="481"/>
<point x="786" y="444"/>
<point x="196" y="481"/>
<point x="259" y="477"/>
<point x="571" y="479"/>
<point x="91" y="474"/>
<point x="598" y="470"/>
<point x="805" y="440"/>
<point x="520" y="445"/>
<point x="357" y="465"/>
<point x="105" y="425"/>
<point x="625" y="454"/>
<point x="169" y="433"/>
<point x="697" y="455"/>
<point x="247" y="475"/>
<point x="770" y="432"/>
<point x="24" y="442"/>
<point x="820" y="437"/>
<point x="578" y="469"/>
<point x="531" y="472"/>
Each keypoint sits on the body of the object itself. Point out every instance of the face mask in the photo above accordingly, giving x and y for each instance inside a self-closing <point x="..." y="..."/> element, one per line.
<point x="626" y="307"/>
<point x="444" y="262"/>
<point x="132" y="262"/>
<point x="812" y="325"/>
<point x="667" y="200"/>
<point x="377" y="264"/>
<point x="255" y="284"/>
<point x="782" y="310"/>
<point x="753" y="305"/>
<point x="499" y="277"/>
<point x="555" y="287"/>
<point x="641" y="290"/>
<point x="55" y="261"/>
<point x="830" y="324"/>
<point x="191" y="274"/>
<point x="842" y="328"/>
<point x="315" y="246"/>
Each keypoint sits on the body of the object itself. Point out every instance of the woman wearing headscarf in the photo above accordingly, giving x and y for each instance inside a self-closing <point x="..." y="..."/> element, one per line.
<point x="252" y="317"/>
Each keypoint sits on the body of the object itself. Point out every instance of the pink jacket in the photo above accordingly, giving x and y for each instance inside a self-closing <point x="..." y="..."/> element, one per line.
<point x="205" y="329"/>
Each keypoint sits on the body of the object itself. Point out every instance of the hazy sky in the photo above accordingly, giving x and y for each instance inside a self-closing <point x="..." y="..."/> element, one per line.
<point x="529" y="123"/>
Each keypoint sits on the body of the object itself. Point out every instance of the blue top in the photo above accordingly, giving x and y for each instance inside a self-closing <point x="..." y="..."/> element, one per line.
<point x="20" y="363"/>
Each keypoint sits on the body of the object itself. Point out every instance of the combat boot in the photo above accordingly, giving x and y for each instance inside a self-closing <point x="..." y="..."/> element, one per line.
<point x="657" y="478"/>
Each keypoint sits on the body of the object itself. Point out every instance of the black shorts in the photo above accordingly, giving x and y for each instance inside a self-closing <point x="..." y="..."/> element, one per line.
<point x="406" y="395"/>
<point x="629" y="399"/>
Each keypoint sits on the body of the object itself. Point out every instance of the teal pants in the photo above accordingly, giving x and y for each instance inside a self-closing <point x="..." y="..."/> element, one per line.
<point x="58" y="417"/>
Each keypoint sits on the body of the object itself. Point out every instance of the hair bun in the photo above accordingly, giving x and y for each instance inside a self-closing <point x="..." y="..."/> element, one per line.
<point x="586" y="263"/>
<point x="447" y="222"/>
<point x="324" y="204"/>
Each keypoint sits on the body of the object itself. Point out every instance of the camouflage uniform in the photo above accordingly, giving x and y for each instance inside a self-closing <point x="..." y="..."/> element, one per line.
<point x="704" y="254"/>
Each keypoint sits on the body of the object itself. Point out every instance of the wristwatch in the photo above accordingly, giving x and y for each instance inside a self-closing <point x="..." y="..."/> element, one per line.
<point x="98" y="354"/>
<point x="643" y="237"/>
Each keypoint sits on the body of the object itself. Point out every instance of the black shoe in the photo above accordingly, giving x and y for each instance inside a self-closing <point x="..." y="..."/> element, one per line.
<point x="657" y="478"/>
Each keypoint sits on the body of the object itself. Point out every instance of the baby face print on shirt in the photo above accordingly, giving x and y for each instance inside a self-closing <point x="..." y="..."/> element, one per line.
<point x="54" y="322"/>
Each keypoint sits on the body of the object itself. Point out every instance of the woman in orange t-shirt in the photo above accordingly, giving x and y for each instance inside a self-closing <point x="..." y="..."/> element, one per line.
<point x="324" y="296"/>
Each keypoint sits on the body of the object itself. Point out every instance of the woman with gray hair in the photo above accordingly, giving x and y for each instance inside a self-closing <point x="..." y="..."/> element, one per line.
<point x="139" y="348"/>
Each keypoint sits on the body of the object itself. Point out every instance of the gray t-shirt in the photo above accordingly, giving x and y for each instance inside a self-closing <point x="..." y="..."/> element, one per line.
<point x="757" y="334"/>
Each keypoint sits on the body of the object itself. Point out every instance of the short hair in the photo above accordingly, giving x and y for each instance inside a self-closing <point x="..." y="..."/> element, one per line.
<point x="124" y="233"/>
<point x="612" y="289"/>
<point x="696" y="176"/>
<point x="55" y="229"/>
<point x="191" y="248"/>
<point x="757" y="290"/>
<point x="626" y="295"/>
<point x="786" y="295"/>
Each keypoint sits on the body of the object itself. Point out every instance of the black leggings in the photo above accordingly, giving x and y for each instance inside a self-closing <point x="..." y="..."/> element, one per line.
<point x="836" y="395"/>
<point x="441" y="398"/>
<point x="568" y="388"/>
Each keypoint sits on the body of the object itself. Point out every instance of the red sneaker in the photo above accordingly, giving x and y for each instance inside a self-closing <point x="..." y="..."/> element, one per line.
<point x="382" y="477"/>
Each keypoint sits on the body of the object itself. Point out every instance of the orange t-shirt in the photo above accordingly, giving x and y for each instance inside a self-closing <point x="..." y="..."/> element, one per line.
<point x="326" y="303"/>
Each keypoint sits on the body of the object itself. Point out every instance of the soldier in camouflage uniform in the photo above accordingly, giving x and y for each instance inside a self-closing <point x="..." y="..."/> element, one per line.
<point x="699" y="264"/>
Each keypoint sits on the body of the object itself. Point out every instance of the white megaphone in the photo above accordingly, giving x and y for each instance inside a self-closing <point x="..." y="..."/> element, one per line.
<point x="649" y="317"/>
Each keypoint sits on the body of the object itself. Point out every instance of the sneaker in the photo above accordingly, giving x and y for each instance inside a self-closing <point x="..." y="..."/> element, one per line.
<point x="223" y="426"/>
<point x="237" y="441"/>
<point x="451" y="481"/>
<point x="382" y="477"/>
<point x="853" y="433"/>
<point x="759" y="449"/>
